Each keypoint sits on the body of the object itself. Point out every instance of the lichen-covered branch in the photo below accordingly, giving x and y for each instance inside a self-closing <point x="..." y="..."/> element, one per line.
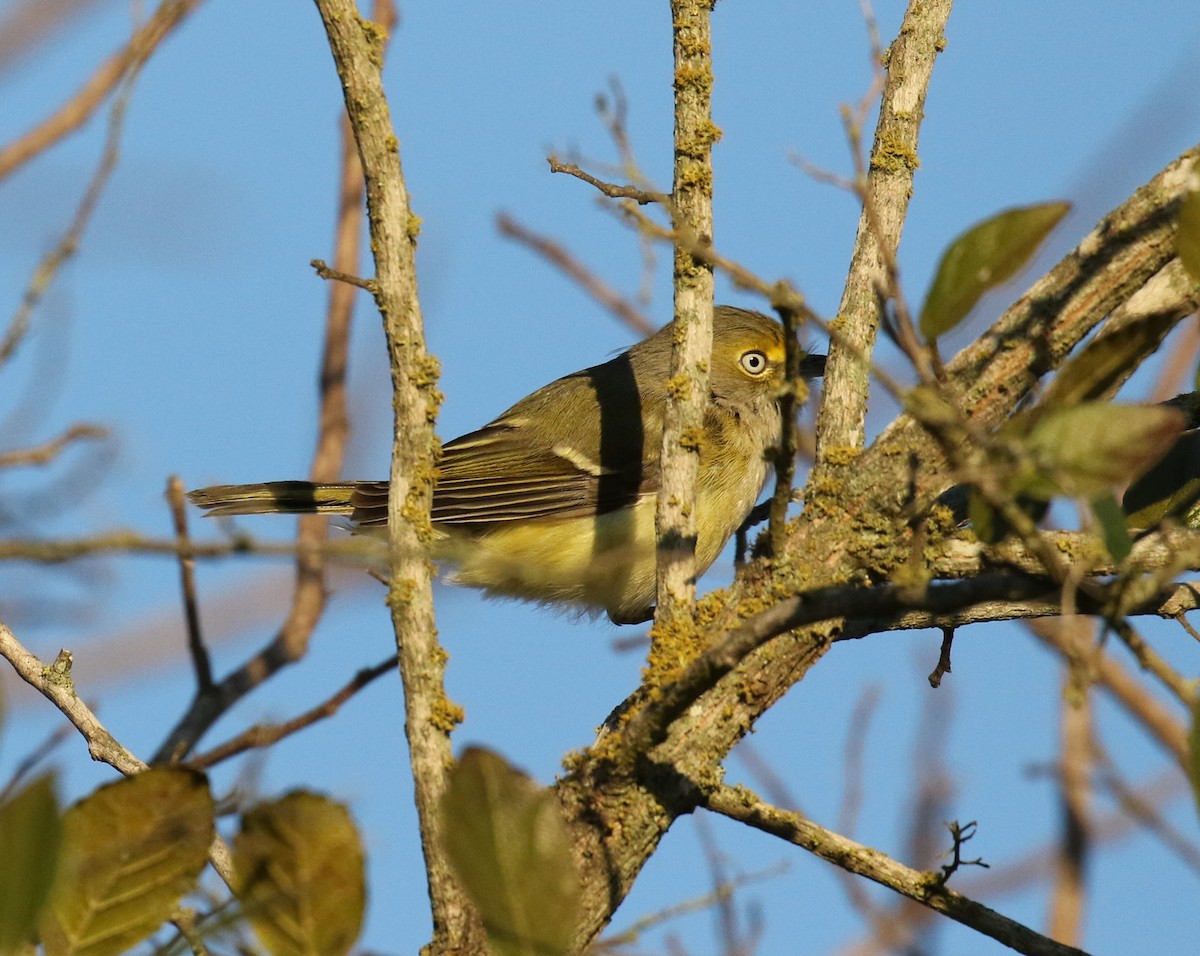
<point x="687" y="392"/>
<point x="357" y="46"/>
<point x="886" y="191"/>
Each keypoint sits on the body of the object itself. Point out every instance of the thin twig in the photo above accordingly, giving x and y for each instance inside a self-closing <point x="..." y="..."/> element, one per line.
<point x="201" y="663"/>
<point x="75" y="112"/>
<point x="922" y="887"/>
<point x="290" y="643"/>
<point x="264" y="735"/>
<point x="48" y="451"/>
<point x="886" y="188"/>
<point x="557" y="255"/>
<point x="613" y="191"/>
<point x="355" y="552"/>
<point x="50" y="264"/>
<point x="55" y="683"/>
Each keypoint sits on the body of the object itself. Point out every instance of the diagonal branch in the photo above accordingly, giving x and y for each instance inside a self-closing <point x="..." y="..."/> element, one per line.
<point x="886" y="188"/>
<point x="76" y="111"/>
<point x="923" y="887"/>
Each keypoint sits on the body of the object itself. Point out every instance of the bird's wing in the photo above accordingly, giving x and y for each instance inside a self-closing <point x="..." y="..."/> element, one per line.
<point x="519" y="469"/>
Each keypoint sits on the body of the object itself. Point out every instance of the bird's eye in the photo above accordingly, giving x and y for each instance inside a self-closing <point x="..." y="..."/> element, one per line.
<point x="753" y="363"/>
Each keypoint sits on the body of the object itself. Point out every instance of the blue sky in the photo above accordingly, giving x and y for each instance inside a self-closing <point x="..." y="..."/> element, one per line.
<point x="191" y="320"/>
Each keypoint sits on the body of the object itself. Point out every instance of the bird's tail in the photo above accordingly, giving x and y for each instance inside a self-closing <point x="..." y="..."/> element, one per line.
<point x="276" y="497"/>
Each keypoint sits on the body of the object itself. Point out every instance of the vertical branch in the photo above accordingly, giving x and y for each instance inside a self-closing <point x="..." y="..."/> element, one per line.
<point x="356" y="46"/>
<point x="692" y="215"/>
<point x="1065" y="919"/>
<point x="290" y="643"/>
<point x="886" y="187"/>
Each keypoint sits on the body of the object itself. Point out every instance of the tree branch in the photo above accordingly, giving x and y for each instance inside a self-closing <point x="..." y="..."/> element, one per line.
<point x="922" y="887"/>
<point x="357" y="52"/>
<point x="687" y="391"/>
<point x="885" y="188"/>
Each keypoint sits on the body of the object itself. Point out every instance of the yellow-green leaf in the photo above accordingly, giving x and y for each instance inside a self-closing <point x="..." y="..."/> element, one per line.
<point x="1187" y="238"/>
<point x="130" y="851"/>
<point x="1113" y="531"/>
<point x="1107" y="360"/>
<point x="1087" y="450"/>
<point x="981" y="258"/>
<point x="30" y="832"/>
<point x="510" y="847"/>
<point x="300" y="875"/>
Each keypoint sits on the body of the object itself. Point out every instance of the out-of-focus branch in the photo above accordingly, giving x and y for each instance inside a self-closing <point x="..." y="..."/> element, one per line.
<point x="557" y="255"/>
<point x="46" y="452"/>
<point x="76" y="111"/>
<point x="264" y="735"/>
<point x="68" y="245"/>
<point x="351" y="551"/>
<point x="290" y="643"/>
<point x="356" y="45"/>
<point x="25" y="26"/>
<point x="922" y="887"/>
<point x="1068" y="892"/>
<point x="1135" y="699"/>
<point x="201" y="663"/>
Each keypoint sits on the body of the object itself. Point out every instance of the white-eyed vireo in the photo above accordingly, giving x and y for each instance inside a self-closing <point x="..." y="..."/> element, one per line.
<point x="554" y="500"/>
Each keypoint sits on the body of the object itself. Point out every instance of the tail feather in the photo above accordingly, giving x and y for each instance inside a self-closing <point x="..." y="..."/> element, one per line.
<point x="275" y="497"/>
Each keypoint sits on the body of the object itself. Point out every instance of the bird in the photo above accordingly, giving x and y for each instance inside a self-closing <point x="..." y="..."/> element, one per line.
<point x="554" y="501"/>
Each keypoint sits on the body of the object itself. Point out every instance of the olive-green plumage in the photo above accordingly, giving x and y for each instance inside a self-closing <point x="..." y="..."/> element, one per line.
<point x="554" y="500"/>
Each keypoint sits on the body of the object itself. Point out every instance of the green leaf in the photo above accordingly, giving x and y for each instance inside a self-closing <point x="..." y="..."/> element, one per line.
<point x="30" y="834"/>
<point x="1113" y="531"/>
<point x="130" y="851"/>
<point x="300" y="875"/>
<point x="1170" y="488"/>
<point x="981" y="258"/>
<point x="1107" y="360"/>
<point x="1087" y="450"/>
<point x="510" y="847"/>
<point x="1187" y="238"/>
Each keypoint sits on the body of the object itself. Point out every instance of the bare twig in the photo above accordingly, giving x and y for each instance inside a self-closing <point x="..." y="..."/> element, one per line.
<point x="308" y="598"/>
<point x="48" y="268"/>
<point x="641" y="196"/>
<point x="923" y="887"/>
<point x="351" y="551"/>
<point x="558" y="256"/>
<point x="54" y="682"/>
<point x="75" y="112"/>
<point x="264" y="735"/>
<point x="201" y="663"/>
<point x="1067" y="896"/>
<point x="48" y="451"/>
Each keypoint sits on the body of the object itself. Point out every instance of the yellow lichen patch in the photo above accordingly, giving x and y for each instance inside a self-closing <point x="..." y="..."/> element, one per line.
<point x="692" y="438"/>
<point x="893" y="155"/>
<point x="678" y="386"/>
<point x="841" y="455"/>
<point x="445" y="715"/>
